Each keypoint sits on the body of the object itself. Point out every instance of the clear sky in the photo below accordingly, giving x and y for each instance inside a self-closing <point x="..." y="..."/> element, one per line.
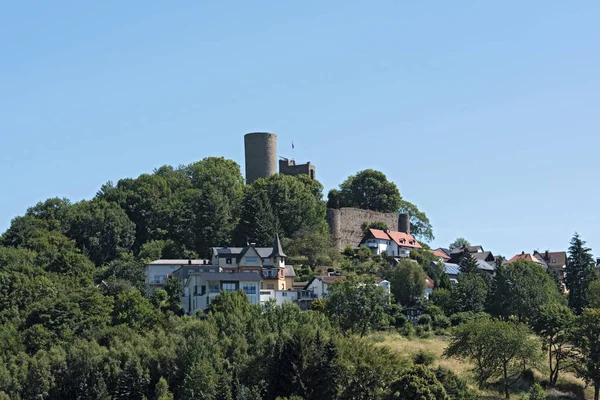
<point x="485" y="114"/>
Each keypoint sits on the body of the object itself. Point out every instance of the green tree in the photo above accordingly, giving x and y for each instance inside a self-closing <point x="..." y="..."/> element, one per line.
<point x="520" y="289"/>
<point x="258" y="223"/>
<point x="594" y="293"/>
<point x="101" y="229"/>
<point x="296" y="203"/>
<point x="370" y="190"/>
<point x="133" y="309"/>
<point x="408" y="283"/>
<point x="357" y="305"/>
<point x="470" y="293"/>
<point x="459" y="243"/>
<point x="467" y="263"/>
<point x="587" y="341"/>
<point x="580" y="272"/>
<point x="161" y="390"/>
<point x="443" y="298"/>
<point x="174" y="289"/>
<point x="554" y="323"/>
<point x="420" y="226"/>
<point x="498" y="349"/>
<point x="317" y="247"/>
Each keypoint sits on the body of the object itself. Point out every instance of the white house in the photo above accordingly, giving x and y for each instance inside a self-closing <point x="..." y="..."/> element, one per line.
<point x="280" y="296"/>
<point x="319" y="285"/>
<point x="158" y="271"/>
<point x="202" y="287"/>
<point x="395" y="244"/>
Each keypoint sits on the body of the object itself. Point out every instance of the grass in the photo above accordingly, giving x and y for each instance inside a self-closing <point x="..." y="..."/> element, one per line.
<point x="568" y="387"/>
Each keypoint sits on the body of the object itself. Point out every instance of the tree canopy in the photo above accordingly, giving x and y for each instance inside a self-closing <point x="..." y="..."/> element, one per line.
<point x="369" y="190"/>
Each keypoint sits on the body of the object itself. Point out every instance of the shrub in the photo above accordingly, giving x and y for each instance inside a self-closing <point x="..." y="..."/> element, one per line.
<point x="461" y="317"/>
<point x="422" y="331"/>
<point x="441" y="322"/>
<point x="456" y="388"/>
<point x="425" y="319"/>
<point x="434" y="311"/>
<point x="423" y="357"/>
<point x="537" y="392"/>
<point x="408" y="329"/>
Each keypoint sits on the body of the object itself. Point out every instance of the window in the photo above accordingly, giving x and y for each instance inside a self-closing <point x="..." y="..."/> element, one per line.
<point x="249" y="288"/>
<point x="250" y="259"/>
<point x="229" y="287"/>
<point x="228" y="261"/>
<point x="553" y="260"/>
<point x="159" y="278"/>
<point x="213" y="287"/>
<point x="284" y="294"/>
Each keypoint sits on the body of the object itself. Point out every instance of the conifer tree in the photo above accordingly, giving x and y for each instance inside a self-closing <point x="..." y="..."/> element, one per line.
<point x="467" y="264"/>
<point x="580" y="272"/>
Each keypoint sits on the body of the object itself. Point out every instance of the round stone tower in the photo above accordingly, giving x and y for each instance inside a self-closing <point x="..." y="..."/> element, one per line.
<point x="261" y="155"/>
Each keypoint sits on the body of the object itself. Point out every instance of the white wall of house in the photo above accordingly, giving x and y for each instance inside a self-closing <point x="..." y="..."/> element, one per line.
<point x="157" y="274"/>
<point x="378" y="246"/>
<point x="199" y="293"/>
<point x="318" y="287"/>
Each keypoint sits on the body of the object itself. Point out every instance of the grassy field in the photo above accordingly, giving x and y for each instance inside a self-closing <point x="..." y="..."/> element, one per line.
<point x="569" y="387"/>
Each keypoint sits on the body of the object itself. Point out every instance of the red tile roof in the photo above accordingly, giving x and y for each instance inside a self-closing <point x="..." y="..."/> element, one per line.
<point x="379" y="234"/>
<point x="441" y="254"/>
<point x="524" y="256"/>
<point x="404" y="239"/>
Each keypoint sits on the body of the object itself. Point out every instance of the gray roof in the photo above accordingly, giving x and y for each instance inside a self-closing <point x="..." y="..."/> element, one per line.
<point x="264" y="252"/>
<point x="180" y="262"/>
<point x="452" y="269"/>
<point x="277" y="249"/>
<point x="484" y="265"/>
<point x="229" y="276"/>
<point x="470" y="249"/>
<point x="289" y="271"/>
<point x="482" y="255"/>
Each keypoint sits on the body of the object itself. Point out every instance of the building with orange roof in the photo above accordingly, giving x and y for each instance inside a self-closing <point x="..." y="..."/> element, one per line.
<point x="393" y="243"/>
<point x="526" y="257"/>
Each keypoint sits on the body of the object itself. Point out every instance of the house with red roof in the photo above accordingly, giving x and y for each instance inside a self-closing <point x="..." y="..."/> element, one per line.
<point x="526" y="257"/>
<point x="393" y="243"/>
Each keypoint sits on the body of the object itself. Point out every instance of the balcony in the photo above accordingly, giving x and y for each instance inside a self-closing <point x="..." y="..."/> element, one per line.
<point x="307" y="295"/>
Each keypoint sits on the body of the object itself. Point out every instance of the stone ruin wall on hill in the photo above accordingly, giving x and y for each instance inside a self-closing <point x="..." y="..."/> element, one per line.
<point x="345" y="224"/>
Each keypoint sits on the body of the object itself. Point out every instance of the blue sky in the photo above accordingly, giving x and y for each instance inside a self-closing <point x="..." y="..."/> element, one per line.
<point x="485" y="114"/>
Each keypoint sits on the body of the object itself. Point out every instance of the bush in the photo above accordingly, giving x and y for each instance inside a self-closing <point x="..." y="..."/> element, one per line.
<point x="537" y="392"/>
<point x="422" y="331"/>
<point x="425" y="319"/>
<point x="434" y="311"/>
<point x="408" y="329"/>
<point x="423" y="357"/>
<point x="456" y="388"/>
<point x="461" y="317"/>
<point x="441" y="322"/>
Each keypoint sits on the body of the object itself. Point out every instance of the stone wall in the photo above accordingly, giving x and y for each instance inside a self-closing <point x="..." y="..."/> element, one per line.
<point x="345" y="224"/>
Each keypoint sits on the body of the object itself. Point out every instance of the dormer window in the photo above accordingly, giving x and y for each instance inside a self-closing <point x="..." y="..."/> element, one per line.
<point x="228" y="261"/>
<point x="553" y="260"/>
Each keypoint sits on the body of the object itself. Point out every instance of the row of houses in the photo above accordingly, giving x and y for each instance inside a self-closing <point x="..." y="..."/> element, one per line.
<point x="263" y="274"/>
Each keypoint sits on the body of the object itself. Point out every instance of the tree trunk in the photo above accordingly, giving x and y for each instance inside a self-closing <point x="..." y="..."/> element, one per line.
<point x="596" y="389"/>
<point x="506" y="394"/>
<point x="550" y="362"/>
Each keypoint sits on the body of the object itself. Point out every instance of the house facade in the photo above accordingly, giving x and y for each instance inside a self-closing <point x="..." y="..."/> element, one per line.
<point x="157" y="272"/>
<point x="267" y="262"/>
<point x="393" y="243"/>
<point x="202" y="287"/>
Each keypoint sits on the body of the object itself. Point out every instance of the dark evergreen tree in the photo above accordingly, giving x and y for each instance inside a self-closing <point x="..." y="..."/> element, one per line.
<point x="467" y="263"/>
<point x="580" y="272"/>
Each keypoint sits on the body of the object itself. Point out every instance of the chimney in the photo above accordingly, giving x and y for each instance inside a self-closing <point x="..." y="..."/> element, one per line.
<point x="522" y="253"/>
<point x="404" y="223"/>
<point x="546" y="254"/>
